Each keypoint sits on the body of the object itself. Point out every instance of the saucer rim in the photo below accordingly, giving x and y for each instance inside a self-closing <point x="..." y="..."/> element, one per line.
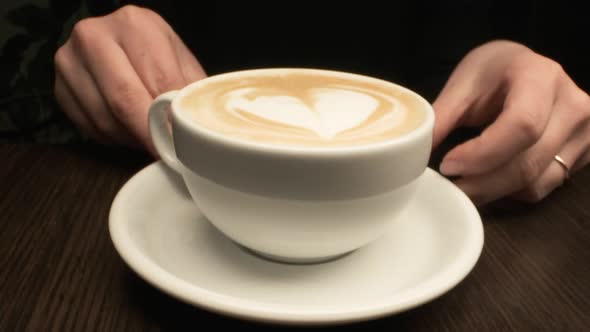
<point x="249" y="309"/>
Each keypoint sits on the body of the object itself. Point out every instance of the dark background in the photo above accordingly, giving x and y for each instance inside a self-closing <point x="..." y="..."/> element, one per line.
<point x="414" y="43"/>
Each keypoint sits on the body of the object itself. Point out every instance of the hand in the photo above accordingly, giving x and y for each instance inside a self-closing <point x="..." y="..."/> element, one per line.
<point x="112" y="67"/>
<point x="531" y="110"/>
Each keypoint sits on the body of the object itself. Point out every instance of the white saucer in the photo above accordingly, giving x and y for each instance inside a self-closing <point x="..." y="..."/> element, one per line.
<point x="161" y="235"/>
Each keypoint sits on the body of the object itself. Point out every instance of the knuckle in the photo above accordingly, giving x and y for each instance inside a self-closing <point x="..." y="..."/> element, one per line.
<point x="154" y="15"/>
<point x="582" y="104"/>
<point x="136" y="18"/>
<point x="530" y="125"/>
<point x="529" y="170"/>
<point x="128" y="11"/>
<point x="534" y="193"/>
<point x="85" y="32"/>
<point x="541" y="62"/>
<point x="130" y="14"/>
<point x="59" y="57"/>
<point x="123" y="100"/>
<point x="579" y="112"/>
<point x="166" y="82"/>
<point x="531" y="64"/>
<point x="549" y="65"/>
<point x="519" y="63"/>
<point x="104" y="125"/>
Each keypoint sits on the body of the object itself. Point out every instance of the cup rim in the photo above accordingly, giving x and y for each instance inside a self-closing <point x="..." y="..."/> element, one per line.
<point x="425" y="128"/>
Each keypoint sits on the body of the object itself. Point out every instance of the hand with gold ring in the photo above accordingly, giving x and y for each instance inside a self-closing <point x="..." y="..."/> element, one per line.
<point x="536" y="123"/>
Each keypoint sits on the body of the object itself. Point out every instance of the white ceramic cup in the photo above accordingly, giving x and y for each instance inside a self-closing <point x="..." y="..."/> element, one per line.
<point x="292" y="204"/>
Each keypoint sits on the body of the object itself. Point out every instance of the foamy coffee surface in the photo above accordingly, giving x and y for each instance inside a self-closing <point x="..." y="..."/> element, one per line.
<point x="303" y="109"/>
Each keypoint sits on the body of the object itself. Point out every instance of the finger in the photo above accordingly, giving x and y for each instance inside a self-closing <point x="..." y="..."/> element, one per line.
<point x="552" y="177"/>
<point x="72" y="109"/>
<point x="577" y="152"/>
<point x="123" y="90"/>
<point x="573" y="153"/>
<point x="153" y="57"/>
<point x="92" y="103"/>
<point x="525" y="169"/>
<point x="581" y="102"/>
<point x="451" y="104"/>
<point x="521" y="123"/>
<point x="583" y="161"/>
<point x="191" y="68"/>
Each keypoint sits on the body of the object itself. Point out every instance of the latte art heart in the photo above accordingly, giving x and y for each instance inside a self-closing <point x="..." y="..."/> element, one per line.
<point x="304" y="110"/>
<point x="325" y="111"/>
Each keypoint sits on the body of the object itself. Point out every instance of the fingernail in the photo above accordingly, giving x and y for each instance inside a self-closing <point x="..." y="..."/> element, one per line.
<point x="451" y="167"/>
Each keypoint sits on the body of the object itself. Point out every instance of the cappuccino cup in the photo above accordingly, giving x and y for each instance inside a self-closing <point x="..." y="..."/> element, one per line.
<point x="296" y="165"/>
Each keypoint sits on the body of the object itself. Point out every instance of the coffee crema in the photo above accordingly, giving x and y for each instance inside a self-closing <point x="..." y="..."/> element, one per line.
<point x="303" y="108"/>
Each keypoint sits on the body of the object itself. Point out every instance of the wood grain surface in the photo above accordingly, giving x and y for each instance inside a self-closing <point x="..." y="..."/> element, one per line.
<point x="60" y="272"/>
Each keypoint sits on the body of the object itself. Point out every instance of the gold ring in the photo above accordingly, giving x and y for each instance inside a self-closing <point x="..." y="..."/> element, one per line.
<point x="563" y="165"/>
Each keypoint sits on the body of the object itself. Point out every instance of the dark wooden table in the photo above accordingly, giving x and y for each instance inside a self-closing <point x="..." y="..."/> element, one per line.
<point x="60" y="271"/>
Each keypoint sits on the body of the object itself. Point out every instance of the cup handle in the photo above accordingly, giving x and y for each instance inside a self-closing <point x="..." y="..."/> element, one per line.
<point x="159" y="132"/>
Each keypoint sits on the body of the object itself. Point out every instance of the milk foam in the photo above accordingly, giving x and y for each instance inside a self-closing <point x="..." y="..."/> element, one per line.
<point x="331" y="111"/>
<point x="304" y="110"/>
